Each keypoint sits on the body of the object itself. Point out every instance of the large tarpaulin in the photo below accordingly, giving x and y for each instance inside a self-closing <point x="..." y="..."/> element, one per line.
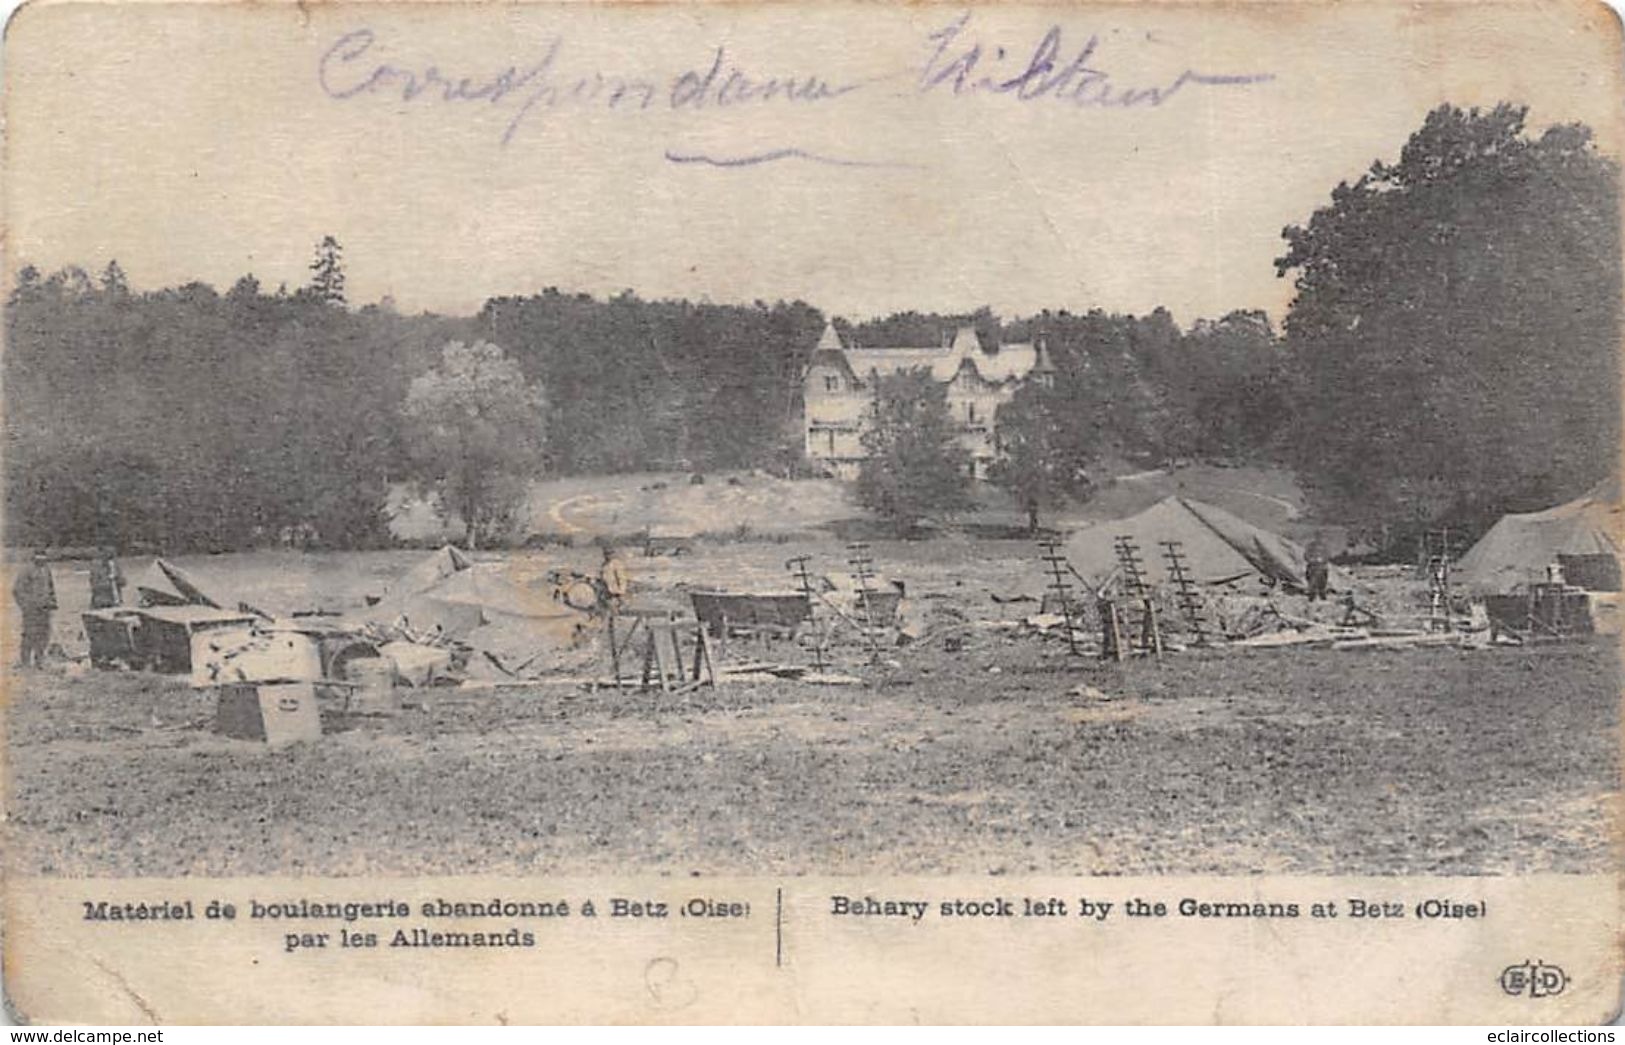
<point x="478" y="603"/>
<point x="1517" y="550"/>
<point x="1217" y="547"/>
<point x="430" y="571"/>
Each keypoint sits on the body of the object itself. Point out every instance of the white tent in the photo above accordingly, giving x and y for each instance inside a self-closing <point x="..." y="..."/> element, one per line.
<point x="1518" y="549"/>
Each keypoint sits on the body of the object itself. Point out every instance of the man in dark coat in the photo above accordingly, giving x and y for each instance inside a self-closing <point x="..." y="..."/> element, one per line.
<point x="35" y="593"/>
<point x="106" y="582"/>
<point x="1317" y="571"/>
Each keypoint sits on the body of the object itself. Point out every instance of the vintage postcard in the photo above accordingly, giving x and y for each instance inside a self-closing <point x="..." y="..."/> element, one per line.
<point x="790" y="512"/>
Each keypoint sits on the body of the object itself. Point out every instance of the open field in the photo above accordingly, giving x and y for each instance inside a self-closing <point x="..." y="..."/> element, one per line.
<point x="999" y="753"/>
<point x="1501" y="761"/>
<point x="581" y="506"/>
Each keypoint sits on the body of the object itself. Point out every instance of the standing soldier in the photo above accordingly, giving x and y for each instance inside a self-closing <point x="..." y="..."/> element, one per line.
<point x="106" y="582"/>
<point x="35" y="593"/>
<point x="613" y="582"/>
<point x="1316" y="570"/>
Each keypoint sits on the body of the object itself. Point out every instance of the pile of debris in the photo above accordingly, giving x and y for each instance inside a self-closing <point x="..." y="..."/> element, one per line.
<point x="446" y="620"/>
<point x="451" y="616"/>
<point x="1227" y="593"/>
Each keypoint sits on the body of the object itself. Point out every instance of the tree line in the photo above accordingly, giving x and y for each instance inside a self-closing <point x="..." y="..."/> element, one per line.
<point x="1451" y="353"/>
<point x="186" y="419"/>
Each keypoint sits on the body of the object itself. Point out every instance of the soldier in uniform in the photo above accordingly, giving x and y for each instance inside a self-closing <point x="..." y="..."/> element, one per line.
<point x="35" y="593"/>
<point x="613" y="581"/>
<point x="106" y="582"/>
<point x="1316" y="570"/>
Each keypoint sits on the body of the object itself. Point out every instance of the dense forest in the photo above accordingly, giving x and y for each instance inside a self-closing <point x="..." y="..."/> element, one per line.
<point x="183" y="418"/>
<point x="1451" y="353"/>
<point x="635" y="385"/>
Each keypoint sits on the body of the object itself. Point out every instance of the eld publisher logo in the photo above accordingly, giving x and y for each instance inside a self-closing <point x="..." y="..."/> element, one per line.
<point x="1535" y="979"/>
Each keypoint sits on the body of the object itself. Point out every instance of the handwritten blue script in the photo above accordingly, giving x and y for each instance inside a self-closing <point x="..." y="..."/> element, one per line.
<point x="965" y="65"/>
<point x="346" y="71"/>
<point x="957" y="63"/>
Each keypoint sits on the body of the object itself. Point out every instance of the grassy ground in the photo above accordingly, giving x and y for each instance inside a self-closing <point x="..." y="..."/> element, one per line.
<point x="996" y="759"/>
<point x="1267" y="497"/>
<point x="991" y="752"/>
<point x="583" y="506"/>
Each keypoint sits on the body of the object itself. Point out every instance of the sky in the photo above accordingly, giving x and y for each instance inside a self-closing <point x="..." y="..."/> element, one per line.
<point x="590" y="147"/>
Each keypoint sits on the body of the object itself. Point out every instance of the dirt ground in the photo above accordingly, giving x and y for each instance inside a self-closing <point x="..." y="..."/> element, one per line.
<point x="980" y="750"/>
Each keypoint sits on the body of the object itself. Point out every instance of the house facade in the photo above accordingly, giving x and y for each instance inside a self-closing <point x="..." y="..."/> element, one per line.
<point x="838" y="392"/>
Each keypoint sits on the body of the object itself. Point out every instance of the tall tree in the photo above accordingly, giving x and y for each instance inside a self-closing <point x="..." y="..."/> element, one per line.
<point x="916" y="467"/>
<point x="638" y="385"/>
<point x="327" y="272"/>
<point x="475" y="436"/>
<point x="1455" y="333"/>
<point x="28" y="281"/>
<point x="246" y="289"/>
<point x="1225" y="384"/>
<point x="1103" y="375"/>
<point x="1044" y="460"/>
<point x="114" y="282"/>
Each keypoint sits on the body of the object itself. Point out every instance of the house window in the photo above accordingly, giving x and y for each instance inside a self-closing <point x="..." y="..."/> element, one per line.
<point x="832" y="383"/>
<point x="831" y="435"/>
<point x="970" y="412"/>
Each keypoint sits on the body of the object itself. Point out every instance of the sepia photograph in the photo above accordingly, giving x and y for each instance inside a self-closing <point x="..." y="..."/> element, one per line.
<point x="775" y="442"/>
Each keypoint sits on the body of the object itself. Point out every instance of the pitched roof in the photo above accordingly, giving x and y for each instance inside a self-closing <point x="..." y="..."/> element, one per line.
<point x="1518" y="548"/>
<point x="1006" y="363"/>
<point x="829" y="340"/>
<point x="1009" y="363"/>
<point x="888" y="361"/>
<point x="1217" y="546"/>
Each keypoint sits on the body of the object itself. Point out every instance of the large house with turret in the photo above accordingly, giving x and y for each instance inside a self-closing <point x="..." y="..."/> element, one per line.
<point x="838" y="393"/>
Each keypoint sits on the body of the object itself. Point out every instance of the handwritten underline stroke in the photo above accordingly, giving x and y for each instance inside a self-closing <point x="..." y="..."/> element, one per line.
<point x="791" y="153"/>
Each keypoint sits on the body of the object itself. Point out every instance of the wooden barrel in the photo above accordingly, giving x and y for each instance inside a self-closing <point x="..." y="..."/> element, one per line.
<point x="375" y="686"/>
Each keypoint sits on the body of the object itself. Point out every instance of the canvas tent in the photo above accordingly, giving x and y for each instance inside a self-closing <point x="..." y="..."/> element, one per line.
<point x="411" y="600"/>
<point x="1518" y="549"/>
<point x="1218" y="547"/>
<point x="451" y="596"/>
<point x="431" y="570"/>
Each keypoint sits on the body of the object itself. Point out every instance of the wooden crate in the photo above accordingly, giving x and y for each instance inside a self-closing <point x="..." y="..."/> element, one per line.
<point x="163" y="642"/>
<point x="278" y="714"/>
<point x="111" y="633"/>
<point x="739" y="613"/>
<point x="1545" y="611"/>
